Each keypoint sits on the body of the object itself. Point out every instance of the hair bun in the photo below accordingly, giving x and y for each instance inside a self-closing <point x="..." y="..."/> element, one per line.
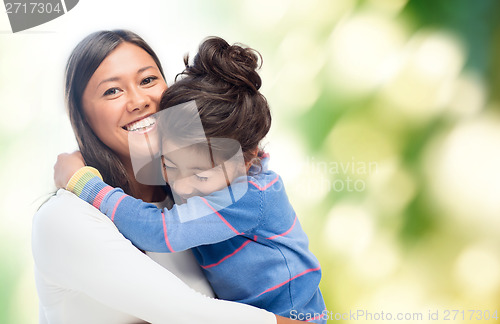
<point x="234" y="64"/>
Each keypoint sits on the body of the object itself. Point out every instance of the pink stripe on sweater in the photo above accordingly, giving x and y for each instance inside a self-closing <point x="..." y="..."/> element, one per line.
<point x="220" y="216"/>
<point x="287" y="281"/>
<point x="165" y="232"/>
<point x="116" y="206"/>
<point x="100" y="196"/>
<point x="227" y="256"/>
<point x="283" y="234"/>
<point x="266" y="186"/>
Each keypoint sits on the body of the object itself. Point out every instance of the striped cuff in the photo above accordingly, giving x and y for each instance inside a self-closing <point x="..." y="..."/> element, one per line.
<point x="80" y="178"/>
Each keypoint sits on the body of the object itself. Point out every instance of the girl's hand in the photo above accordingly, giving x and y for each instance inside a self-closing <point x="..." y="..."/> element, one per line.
<point x="284" y="320"/>
<point x="67" y="164"/>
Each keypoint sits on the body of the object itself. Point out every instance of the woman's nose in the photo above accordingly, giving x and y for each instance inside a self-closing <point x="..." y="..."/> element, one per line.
<point x="137" y="100"/>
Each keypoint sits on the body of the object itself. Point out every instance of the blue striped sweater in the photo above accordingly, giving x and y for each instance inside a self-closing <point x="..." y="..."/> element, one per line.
<point x="252" y="250"/>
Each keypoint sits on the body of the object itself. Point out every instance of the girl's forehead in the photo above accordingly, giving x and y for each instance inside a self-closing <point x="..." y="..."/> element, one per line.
<point x="194" y="156"/>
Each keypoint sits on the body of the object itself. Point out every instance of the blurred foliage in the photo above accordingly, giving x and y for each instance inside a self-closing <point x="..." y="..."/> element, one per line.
<point x="386" y="130"/>
<point x="405" y="216"/>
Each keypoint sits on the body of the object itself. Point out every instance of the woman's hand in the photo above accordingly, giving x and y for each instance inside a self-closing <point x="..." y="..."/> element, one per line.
<point x="67" y="164"/>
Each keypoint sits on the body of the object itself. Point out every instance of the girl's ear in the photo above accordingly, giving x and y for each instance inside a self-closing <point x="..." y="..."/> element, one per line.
<point x="254" y="152"/>
<point x="163" y="171"/>
<point x="248" y="165"/>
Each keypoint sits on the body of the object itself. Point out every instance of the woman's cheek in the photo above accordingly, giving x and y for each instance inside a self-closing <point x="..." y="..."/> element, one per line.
<point x="158" y="92"/>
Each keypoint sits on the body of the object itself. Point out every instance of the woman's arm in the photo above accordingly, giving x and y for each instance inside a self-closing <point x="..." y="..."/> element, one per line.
<point x="86" y="253"/>
<point x="41" y="315"/>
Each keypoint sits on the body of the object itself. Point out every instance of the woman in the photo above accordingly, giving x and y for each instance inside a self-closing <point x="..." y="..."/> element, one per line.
<point x="86" y="271"/>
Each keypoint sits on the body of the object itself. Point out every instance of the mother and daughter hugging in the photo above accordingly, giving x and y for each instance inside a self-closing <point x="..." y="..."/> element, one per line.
<point x="213" y="197"/>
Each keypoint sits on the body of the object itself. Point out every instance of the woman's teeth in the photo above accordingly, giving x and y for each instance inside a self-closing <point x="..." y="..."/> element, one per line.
<point x="141" y="125"/>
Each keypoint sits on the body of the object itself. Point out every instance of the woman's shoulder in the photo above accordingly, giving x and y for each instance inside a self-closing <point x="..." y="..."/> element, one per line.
<point x="64" y="209"/>
<point x="66" y="228"/>
<point x="63" y="202"/>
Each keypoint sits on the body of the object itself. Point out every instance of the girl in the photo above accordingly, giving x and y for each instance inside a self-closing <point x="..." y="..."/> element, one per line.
<point x="245" y="234"/>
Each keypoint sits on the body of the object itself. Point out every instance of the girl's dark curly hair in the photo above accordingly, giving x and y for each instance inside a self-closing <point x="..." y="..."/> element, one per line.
<point x="224" y="83"/>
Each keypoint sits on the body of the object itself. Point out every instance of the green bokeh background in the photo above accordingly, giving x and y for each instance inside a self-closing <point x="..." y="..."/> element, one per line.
<point x="386" y="130"/>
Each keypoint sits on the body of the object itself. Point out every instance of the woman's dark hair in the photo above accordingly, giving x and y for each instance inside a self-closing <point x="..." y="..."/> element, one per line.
<point x="84" y="60"/>
<point x="224" y="83"/>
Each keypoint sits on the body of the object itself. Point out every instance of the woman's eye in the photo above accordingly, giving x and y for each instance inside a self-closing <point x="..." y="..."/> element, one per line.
<point x="111" y="92"/>
<point x="148" y="80"/>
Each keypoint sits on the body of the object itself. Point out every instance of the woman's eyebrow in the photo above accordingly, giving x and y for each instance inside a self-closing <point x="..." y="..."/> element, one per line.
<point x="108" y="80"/>
<point x="144" y="69"/>
<point x="118" y="78"/>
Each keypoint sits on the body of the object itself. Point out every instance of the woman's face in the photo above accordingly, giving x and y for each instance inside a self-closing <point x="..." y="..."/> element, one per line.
<point x="124" y="90"/>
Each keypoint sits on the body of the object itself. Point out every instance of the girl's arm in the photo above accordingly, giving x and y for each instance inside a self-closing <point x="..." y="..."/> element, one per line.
<point x="200" y="221"/>
<point x="285" y="320"/>
<point x="85" y="253"/>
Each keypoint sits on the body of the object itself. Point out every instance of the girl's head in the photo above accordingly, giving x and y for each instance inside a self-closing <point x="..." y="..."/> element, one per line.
<point x="224" y="84"/>
<point x="113" y="80"/>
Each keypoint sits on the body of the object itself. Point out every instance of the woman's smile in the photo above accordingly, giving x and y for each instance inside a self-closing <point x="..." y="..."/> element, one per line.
<point x="142" y="125"/>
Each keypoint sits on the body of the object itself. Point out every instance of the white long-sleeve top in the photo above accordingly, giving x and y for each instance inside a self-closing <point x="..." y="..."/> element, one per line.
<point x="87" y="272"/>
